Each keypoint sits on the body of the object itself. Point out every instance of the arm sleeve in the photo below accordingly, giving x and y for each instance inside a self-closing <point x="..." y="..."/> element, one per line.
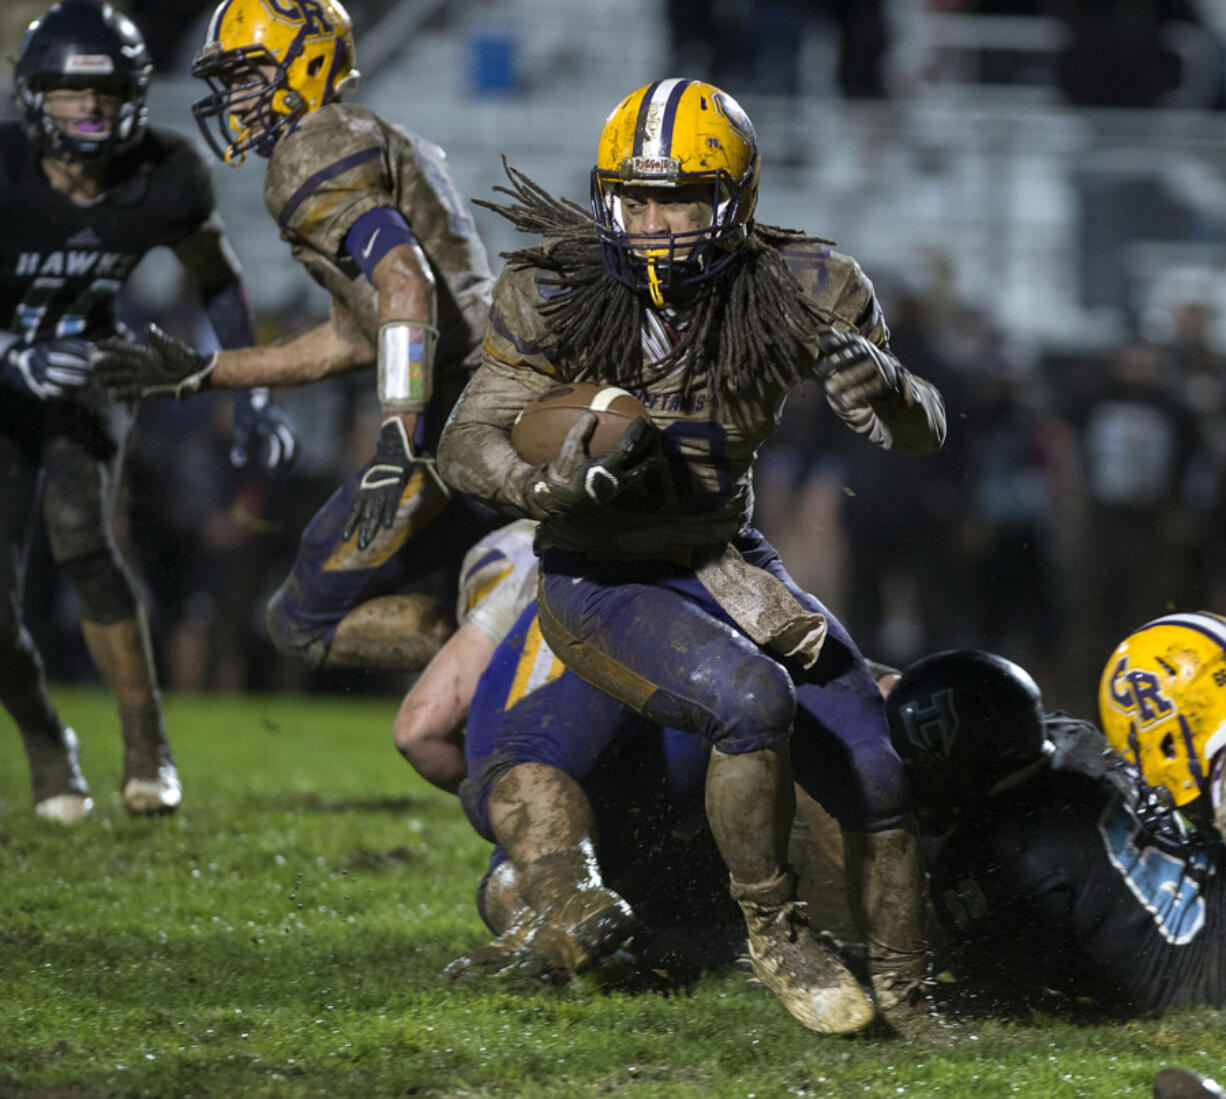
<point x="375" y="234"/>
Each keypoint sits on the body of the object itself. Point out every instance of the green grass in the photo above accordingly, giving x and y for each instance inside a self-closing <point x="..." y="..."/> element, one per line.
<point x="284" y="935"/>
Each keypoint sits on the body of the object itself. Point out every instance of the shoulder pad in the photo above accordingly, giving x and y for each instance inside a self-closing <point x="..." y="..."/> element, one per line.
<point x="168" y="173"/>
<point x="335" y="140"/>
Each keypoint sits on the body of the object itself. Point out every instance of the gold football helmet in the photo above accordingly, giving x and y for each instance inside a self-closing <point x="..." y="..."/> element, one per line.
<point x="1162" y="703"/>
<point x="675" y="133"/>
<point x="268" y="63"/>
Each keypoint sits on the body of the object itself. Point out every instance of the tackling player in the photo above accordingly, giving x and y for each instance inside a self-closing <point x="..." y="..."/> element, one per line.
<point x="1055" y="864"/>
<point x="371" y="212"/>
<point x="654" y="587"/>
<point x="86" y="189"/>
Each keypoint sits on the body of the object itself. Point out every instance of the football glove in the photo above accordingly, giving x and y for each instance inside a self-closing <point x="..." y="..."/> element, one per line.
<point x="47" y="370"/>
<point x="261" y="424"/>
<point x="574" y="479"/>
<point x="382" y="484"/>
<point x="160" y="367"/>
<point x="853" y="370"/>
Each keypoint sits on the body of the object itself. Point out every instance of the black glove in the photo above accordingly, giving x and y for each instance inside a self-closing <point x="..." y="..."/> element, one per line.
<point x="260" y="423"/>
<point x="574" y="479"/>
<point x="160" y="367"/>
<point x="47" y="370"/>
<point x="854" y="370"/>
<point x="382" y="484"/>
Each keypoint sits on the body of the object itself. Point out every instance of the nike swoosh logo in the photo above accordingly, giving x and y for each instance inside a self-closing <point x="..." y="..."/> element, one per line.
<point x="371" y="243"/>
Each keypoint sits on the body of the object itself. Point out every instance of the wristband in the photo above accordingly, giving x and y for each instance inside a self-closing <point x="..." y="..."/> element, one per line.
<point x="406" y="365"/>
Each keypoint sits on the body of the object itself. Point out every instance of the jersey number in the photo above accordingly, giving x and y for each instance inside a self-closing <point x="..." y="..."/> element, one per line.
<point x="714" y="439"/>
<point x="73" y="320"/>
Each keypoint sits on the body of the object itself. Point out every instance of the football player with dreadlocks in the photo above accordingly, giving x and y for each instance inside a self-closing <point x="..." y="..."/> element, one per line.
<point x="371" y="212"/>
<point x="654" y="587"/>
<point x="87" y="188"/>
<point x="1057" y="864"/>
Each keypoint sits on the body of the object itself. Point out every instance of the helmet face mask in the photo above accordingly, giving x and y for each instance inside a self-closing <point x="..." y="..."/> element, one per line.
<point x="1162" y="705"/>
<point x="268" y="63"/>
<point x="673" y="134"/>
<point x="75" y="46"/>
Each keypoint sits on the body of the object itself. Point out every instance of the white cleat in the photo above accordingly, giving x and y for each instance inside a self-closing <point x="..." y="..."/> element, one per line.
<point x="64" y="808"/>
<point x="152" y="797"/>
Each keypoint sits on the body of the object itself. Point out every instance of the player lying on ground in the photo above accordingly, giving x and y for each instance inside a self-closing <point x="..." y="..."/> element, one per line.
<point x="654" y="586"/>
<point x="86" y="190"/>
<point x="371" y="212"/>
<point x="1055" y="864"/>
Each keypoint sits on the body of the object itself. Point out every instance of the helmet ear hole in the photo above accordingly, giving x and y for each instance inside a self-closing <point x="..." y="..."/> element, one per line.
<point x="1167" y="746"/>
<point x="314" y="65"/>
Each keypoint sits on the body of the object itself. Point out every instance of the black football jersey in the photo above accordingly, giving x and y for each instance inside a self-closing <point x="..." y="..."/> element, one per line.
<point x="62" y="263"/>
<point x="1059" y="886"/>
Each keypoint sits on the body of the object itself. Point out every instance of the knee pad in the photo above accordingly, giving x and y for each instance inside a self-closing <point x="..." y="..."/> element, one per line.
<point x="475" y="794"/>
<point x="754" y="709"/>
<point x="104" y="587"/>
<point x="884" y="784"/>
<point x="74" y="511"/>
<point x="291" y="633"/>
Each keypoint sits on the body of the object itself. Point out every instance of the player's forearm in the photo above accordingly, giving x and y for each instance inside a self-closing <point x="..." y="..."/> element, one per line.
<point x="407" y="331"/>
<point x="910" y="420"/>
<point x="475" y="455"/>
<point x="314" y="354"/>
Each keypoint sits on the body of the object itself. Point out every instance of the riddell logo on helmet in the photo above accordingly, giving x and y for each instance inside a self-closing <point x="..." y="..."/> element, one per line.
<point x="663" y="166"/>
<point x="89" y="64"/>
<point x="1139" y="691"/>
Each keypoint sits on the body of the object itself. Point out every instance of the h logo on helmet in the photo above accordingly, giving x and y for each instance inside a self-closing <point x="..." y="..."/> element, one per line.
<point x="1139" y="690"/>
<point x="311" y="12"/>
<point x="933" y="726"/>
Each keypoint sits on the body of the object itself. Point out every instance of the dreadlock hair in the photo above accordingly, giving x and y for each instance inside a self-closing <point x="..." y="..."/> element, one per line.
<point x="750" y="327"/>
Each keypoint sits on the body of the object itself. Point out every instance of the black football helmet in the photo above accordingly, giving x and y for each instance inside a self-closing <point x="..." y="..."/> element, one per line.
<point x="82" y="44"/>
<point x="964" y="722"/>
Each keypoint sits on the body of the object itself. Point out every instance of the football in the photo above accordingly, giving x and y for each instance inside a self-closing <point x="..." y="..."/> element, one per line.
<point x="539" y="430"/>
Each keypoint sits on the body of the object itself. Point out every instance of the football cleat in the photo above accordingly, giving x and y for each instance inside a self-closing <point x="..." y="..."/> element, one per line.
<point x="151" y="784"/>
<point x="675" y="133"/>
<point x="153" y="797"/>
<point x="564" y="940"/>
<point x="60" y="790"/>
<point x="267" y="63"/>
<point x="1178" y="1082"/>
<point x="806" y="975"/>
<point x="64" y="808"/>
<point x="901" y="994"/>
